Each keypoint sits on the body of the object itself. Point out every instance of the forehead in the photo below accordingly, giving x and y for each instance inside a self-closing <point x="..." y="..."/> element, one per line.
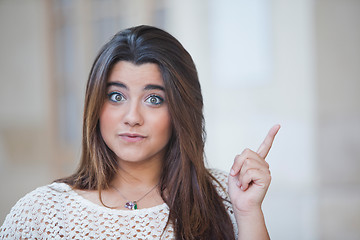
<point x="130" y="74"/>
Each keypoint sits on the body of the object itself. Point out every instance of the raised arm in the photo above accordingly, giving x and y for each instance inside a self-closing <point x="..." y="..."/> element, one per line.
<point x="249" y="181"/>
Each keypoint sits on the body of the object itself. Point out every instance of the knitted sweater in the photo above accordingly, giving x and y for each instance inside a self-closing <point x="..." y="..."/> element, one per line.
<point x="56" y="211"/>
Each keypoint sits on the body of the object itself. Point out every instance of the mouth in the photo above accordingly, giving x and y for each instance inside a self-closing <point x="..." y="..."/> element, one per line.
<point x="131" y="137"/>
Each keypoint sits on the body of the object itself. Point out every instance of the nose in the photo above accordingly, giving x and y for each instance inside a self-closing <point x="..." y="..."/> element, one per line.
<point x="133" y="115"/>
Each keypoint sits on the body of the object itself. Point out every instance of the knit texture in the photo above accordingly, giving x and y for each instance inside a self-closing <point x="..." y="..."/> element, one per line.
<point x="56" y="211"/>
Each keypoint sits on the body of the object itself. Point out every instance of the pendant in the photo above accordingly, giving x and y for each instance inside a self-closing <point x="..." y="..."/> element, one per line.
<point x="132" y="205"/>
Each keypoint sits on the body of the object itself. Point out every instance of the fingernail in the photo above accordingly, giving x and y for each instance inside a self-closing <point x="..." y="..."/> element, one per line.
<point x="242" y="188"/>
<point x="238" y="184"/>
<point x="232" y="172"/>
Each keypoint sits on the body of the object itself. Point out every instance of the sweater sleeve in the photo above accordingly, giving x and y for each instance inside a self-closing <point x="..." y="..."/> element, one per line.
<point x="29" y="217"/>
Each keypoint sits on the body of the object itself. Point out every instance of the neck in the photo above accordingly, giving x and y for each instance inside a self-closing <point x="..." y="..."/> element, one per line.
<point x="130" y="174"/>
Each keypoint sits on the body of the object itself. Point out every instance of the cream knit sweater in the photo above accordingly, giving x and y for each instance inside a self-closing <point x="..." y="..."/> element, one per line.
<point x="56" y="211"/>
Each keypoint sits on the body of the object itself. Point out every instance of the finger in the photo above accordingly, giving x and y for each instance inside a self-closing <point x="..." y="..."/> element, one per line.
<point x="246" y="155"/>
<point x="238" y="161"/>
<point x="259" y="177"/>
<point x="268" y="141"/>
<point x="252" y="163"/>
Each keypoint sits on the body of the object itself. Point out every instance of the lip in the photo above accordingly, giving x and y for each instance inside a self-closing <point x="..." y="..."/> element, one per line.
<point x="131" y="137"/>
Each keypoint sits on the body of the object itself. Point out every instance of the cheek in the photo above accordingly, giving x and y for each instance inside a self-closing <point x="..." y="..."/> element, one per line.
<point x="107" y="119"/>
<point x="162" y="124"/>
<point x="167" y="127"/>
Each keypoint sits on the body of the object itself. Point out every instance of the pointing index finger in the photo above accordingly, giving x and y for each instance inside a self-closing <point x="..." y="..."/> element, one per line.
<point x="268" y="141"/>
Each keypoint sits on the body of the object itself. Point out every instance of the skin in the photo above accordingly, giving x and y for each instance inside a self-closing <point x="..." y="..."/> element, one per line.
<point x="135" y="121"/>
<point x="249" y="181"/>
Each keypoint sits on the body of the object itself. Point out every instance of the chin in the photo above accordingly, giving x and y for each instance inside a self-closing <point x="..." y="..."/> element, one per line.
<point x="130" y="159"/>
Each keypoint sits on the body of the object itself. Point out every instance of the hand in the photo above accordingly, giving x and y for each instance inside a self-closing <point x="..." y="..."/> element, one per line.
<point x="250" y="176"/>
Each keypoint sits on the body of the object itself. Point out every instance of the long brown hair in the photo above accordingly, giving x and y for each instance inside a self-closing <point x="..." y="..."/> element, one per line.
<point x="196" y="209"/>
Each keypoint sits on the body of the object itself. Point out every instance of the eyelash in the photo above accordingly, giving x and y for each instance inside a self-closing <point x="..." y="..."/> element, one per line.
<point x="115" y="94"/>
<point x="112" y="97"/>
<point x="159" y="99"/>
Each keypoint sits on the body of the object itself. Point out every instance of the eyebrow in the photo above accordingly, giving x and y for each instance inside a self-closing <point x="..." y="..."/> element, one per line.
<point x="147" y="87"/>
<point x="117" y="84"/>
<point x="154" y="87"/>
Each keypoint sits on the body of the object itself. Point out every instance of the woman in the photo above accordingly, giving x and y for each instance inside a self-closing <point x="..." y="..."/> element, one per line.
<point x="142" y="172"/>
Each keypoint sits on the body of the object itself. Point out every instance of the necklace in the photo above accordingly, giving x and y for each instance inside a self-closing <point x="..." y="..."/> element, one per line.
<point x="133" y="205"/>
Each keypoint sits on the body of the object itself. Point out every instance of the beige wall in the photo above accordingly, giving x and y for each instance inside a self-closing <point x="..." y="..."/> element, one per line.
<point x="24" y="140"/>
<point x="313" y="91"/>
<point x="338" y="123"/>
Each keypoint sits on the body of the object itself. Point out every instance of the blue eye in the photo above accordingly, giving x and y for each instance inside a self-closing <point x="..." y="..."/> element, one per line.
<point x="154" y="100"/>
<point x="116" y="97"/>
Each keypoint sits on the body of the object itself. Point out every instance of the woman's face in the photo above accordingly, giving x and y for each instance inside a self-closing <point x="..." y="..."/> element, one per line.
<point x="134" y="121"/>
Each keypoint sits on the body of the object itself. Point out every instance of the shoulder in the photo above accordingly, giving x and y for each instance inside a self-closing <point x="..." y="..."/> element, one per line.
<point x="42" y="197"/>
<point x="30" y="211"/>
<point x="220" y="175"/>
<point x="220" y="181"/>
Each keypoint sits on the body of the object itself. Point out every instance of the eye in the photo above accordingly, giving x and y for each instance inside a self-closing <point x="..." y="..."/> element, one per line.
<point x="116" y="97"/>
<point x="154" y="100"/>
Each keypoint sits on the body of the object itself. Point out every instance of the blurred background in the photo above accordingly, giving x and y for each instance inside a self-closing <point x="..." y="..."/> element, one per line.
<point x="260" y="62"/>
